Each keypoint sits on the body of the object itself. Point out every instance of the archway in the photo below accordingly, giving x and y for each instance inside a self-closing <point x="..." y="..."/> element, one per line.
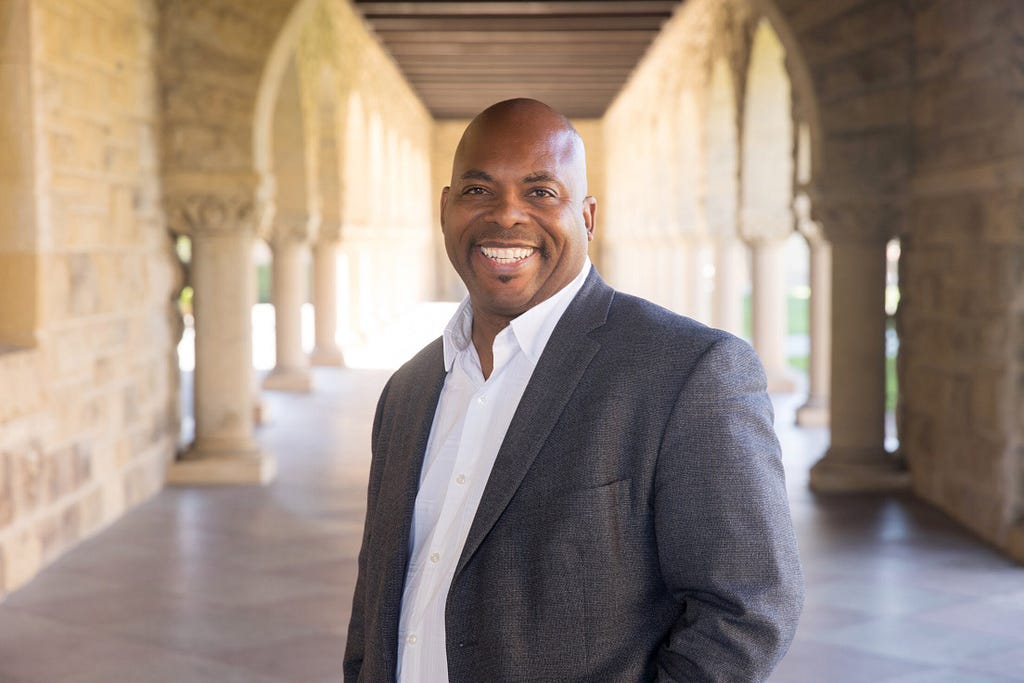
<point x="766" y="195"/>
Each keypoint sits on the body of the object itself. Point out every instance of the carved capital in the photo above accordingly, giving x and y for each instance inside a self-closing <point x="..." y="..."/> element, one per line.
<point x="210" y="213"/>
<point x="858" y="219"/>
<point x="766" y="225"/>
<point x="805" y="225"/>
<point x="293" y="226"/>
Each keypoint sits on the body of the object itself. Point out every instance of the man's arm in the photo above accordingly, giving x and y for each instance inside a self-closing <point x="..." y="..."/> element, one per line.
<point x="725" y="538"/>
<point x="353" y="660"/>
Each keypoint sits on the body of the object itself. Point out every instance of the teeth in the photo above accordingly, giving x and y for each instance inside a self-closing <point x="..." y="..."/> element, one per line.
<point x="502" y="255"/>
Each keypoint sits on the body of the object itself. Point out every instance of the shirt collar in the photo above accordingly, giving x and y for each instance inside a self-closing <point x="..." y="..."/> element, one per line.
<point x="532" y="329"/>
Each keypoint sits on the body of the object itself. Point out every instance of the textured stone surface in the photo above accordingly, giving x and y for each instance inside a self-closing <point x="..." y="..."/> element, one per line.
<point x="102" y="256"/>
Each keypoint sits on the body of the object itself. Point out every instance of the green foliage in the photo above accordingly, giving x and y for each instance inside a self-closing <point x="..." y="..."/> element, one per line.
<point x="263" y="283"/>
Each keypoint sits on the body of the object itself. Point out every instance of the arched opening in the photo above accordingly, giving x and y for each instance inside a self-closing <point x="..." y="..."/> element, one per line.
<point x="766" y="195"/>
<point x="892" y="342"/>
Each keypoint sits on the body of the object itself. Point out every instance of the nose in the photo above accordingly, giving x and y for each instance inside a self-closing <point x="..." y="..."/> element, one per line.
<point x="507" y="210"/>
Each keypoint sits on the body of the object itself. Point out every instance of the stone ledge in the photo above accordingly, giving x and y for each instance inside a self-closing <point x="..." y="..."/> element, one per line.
<point x="289" y="380"/>
<point x="241" y="467"/>
<point x="814" y="413"/>
<point x="329" y="356"/>
<point x="859" y="471"/>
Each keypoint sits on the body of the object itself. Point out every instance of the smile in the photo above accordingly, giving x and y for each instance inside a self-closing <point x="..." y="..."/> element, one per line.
<point x="506" y="255"/>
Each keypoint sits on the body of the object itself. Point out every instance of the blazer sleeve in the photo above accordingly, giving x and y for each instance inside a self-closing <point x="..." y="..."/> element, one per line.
<point x="355" y="643"/>
<point x="725" y="539"/>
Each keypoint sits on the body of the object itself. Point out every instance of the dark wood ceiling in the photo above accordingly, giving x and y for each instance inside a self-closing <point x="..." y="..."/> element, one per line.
<point x="461" y="57"/>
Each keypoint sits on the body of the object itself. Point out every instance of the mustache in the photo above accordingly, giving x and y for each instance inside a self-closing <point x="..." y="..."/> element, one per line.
<point x="508" y="235"/>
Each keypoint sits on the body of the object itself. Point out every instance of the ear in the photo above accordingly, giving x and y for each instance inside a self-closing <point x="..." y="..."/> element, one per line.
<point x="589" y="212"/>
<point x="444" y="203"/>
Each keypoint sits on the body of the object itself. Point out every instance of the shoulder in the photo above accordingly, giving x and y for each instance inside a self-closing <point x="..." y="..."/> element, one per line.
<point x="426" y="365"/>
<point x="641" y="325"/>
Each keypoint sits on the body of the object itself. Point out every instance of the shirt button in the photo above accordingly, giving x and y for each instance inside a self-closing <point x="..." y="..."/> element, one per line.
<point x="461" y="479"/>
<point x="435" y="558"/>
<point x="411" y="639"/>
<point x="482" y="400"/>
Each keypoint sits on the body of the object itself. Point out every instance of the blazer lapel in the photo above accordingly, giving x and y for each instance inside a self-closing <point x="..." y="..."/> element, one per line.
<point x="397" y="498"/>
<point x="565" y="358"/>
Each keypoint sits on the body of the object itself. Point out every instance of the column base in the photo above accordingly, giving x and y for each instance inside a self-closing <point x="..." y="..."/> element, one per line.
<point x="327" y="356"/>
<point x="859" y="471"/>
<point x="814" y="413"/>
<point x="1015" y="542"/>
<point x="205" y="467"/>
<point x="259" y="411"/>
<point x="780" y="381"/>
<point x="299" y="381"/>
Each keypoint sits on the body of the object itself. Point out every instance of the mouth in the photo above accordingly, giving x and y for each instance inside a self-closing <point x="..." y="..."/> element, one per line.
<point x="507" y="255"/>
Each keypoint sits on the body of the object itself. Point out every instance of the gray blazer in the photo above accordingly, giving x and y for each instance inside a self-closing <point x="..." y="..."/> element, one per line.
<point x="635" y="526"/>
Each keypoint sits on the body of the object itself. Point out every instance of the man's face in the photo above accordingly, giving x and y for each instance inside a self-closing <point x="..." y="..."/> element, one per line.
<point x="516" y="222"/>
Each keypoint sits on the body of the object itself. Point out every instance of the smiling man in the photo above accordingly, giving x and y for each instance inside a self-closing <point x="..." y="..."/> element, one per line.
<point x="572" y="484"/>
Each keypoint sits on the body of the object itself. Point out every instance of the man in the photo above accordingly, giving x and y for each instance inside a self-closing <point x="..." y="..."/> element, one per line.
<point x="573" y="484"/>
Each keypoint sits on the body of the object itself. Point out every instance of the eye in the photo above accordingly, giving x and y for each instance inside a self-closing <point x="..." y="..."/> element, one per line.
<point x="541" y="192"/>
<point x="474" y="189"/>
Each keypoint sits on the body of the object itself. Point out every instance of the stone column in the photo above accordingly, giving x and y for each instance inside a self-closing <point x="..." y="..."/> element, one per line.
<point x="325" y="304"/>
<point x="288" y="287"/>
<point x="727" y="297"/>
<point x="768" y="307"/>
<point x="224" y="450"/>
<point x="815" y="412"/>
<point x="856" y="459"/>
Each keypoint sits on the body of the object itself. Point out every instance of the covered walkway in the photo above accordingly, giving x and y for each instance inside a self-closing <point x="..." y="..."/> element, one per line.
<point x="252" y="584"/>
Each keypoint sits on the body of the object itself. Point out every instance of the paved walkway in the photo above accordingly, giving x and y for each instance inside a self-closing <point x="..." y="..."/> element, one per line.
<point x="252" y="585"/>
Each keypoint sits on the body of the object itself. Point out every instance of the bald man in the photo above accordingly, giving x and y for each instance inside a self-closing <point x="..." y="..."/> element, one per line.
<point x="572" y="484"/>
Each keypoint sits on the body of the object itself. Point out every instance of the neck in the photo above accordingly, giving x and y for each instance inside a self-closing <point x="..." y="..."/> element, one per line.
<point x="485" y="329"/>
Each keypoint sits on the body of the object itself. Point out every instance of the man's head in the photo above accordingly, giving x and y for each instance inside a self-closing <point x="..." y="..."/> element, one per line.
<point x="516" y="217"/>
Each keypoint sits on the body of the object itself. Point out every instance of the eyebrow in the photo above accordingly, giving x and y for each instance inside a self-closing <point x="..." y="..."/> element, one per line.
<point x="541" y="177"/>
<point x="475" y="174"/>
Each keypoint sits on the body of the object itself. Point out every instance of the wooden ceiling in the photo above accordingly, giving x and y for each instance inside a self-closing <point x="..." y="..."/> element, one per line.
<point x="461" y="57"/>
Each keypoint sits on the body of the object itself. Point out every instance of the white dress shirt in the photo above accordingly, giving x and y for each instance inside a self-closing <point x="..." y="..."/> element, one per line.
<point x="469" y="426"/>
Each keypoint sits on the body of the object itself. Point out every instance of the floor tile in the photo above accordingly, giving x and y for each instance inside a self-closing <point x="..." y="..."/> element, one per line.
<point x="254" y="584"/>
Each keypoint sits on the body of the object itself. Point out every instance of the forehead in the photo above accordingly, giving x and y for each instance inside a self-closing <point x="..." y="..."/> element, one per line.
<point x="518" y="148"/>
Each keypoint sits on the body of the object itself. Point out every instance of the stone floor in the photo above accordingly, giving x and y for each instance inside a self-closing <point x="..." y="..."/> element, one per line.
<point x="252" y="585"/>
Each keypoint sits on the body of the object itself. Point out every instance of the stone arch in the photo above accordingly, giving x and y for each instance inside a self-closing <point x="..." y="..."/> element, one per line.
<point x="721" y="197"/>
<point x="766" y="195"/>
<point x="211" y="185"/>
<point x="804" y="92"/>
<point x="280" y="57"/>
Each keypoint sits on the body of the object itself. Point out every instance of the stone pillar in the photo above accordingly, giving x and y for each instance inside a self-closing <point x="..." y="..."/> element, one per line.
<point x="815" y="412"/>
<point x="224" y="450"/>
<point x="768" y="306"/>
<point x="856" y="459"/>
<point x="727" y="308"/>
<point x="288" y="287"/>
<point x="325" y="304"/>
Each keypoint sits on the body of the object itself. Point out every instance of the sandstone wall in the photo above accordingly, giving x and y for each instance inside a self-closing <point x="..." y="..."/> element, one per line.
<point x="962" y="272"/>
<point x="88" y="415"/>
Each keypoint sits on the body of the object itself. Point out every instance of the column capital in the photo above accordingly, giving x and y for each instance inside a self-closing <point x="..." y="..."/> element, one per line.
<point x="293" y="226"/>
<point x="765" y="226"/>
<point x="330" y="231"/>
<point x="211" y="203"/>
<point x="858" y="218"/>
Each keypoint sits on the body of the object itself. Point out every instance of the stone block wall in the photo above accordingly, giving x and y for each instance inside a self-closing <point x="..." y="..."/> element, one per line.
<point x="88" y="415"/>
<point x="962" y="273"/>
